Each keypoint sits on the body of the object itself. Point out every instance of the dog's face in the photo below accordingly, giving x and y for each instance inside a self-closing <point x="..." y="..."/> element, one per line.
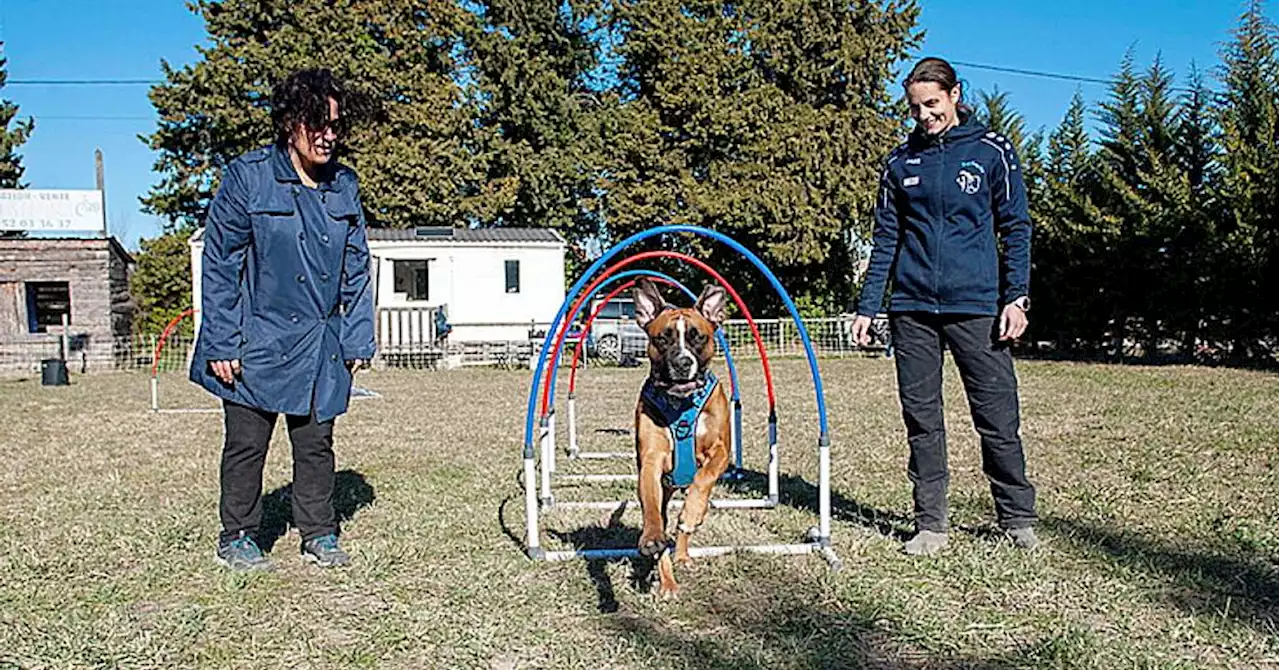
<point x="681" y="341"/>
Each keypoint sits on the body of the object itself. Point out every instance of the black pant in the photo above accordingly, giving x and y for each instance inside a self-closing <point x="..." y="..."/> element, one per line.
<point x="986" y="368"/>
<point x="248" y="433"/>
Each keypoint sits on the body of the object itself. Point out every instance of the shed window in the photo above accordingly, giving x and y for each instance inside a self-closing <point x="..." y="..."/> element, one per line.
<point x="513" y="276"/>
<point x="47" y="302"/>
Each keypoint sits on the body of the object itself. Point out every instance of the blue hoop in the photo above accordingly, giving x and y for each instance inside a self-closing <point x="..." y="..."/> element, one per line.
<point x="652" y="232"/>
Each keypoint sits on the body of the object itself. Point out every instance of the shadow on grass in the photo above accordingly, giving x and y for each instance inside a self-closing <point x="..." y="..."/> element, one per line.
<point x="351" y="493"/>
<point x="798" y="493"/>
<point x="1239" y="588"/>
<point x="764" y="619"/>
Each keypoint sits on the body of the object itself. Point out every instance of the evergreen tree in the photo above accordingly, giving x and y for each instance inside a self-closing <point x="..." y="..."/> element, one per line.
<point x="1246" y="114"/>
<point x="12" y="135"/>
<point x="766" y="120"/>
<point x="418" y="163"/>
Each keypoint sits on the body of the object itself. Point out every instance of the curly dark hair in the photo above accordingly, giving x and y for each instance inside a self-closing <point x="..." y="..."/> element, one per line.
<point x="303" y="98"/>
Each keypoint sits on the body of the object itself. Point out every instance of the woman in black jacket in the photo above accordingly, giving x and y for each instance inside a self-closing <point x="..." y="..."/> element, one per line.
<point x="945" y="196"/>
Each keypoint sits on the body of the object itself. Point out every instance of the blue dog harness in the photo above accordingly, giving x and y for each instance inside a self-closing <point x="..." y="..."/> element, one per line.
<point x="681" y="418"/>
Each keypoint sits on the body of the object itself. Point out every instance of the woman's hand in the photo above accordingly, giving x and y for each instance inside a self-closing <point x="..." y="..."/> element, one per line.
<point x="227" y="371"/>
<point x="862" y="330"/>
<point x="1013" y="321"/>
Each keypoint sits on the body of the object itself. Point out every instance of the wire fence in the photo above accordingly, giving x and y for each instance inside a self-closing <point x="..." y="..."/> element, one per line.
<point x="830" y="337"/>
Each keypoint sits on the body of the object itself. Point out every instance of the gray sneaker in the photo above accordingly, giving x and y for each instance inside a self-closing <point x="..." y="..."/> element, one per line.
<point x="324" y="552"/>
<point x="242" y="554"/>
<point x="926" y="543"/>
<point x="1023" y="538"/>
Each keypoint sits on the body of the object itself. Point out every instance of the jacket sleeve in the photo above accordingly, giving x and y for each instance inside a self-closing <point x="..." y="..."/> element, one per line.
<point x="228" y="234"/>
<point x="884" y="239"/>
<point x="357" y="293"/>
<point x="1013" y="223"/>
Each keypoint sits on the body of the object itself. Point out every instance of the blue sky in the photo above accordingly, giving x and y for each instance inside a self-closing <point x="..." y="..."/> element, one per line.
<point x="92" y="39"/>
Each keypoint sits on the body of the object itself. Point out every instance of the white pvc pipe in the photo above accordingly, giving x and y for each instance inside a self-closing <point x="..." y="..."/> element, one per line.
<point x="726" y="503"/>
<point x="605" y="454"/>
<point x="189" y="410"/>
<point x="694" y="552"/>
<point x="597" y="478"/>
<point x="832" y="560"/>
<point x="544" y="466"/>
<point x="824" y="492"/>
<point x="551" y="435"/>
<point x="573" y="429"/>
<point x="773" y="459"/>
<point x="530" y="506"/>
<point x="155" y="394"/>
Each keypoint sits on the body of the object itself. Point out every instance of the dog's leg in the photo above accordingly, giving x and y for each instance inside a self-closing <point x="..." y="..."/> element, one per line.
<point x="653" y="535"/>
<point x="698" y="498"/>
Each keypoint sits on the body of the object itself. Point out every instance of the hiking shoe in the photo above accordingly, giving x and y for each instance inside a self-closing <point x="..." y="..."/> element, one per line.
<point x="242" y="554"/>
<point x="324" y="552"/>
<point x="925" y="543"/>
<point x="1023" y="538"/>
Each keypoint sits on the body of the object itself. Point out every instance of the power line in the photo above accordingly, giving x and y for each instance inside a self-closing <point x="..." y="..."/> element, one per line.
<point x="1033" y="73"/>
<point x="82" y="82"/>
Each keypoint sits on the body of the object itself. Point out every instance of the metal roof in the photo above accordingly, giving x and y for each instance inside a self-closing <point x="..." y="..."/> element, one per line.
<point x="466" y="235"/>
<point x="454" y="235"/>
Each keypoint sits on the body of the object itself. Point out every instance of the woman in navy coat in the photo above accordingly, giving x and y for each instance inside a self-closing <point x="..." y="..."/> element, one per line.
<point x="287" y="314"/>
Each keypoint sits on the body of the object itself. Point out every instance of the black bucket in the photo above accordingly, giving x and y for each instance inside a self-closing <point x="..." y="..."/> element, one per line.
<point x="53" y="372"/>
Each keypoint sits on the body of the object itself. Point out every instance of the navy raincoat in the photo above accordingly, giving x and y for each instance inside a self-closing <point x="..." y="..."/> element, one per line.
<point x="286" y="287"/>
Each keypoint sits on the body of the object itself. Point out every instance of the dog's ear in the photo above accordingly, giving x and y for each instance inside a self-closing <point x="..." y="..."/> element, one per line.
<point x="711" y="304"/>
<point x="649" y="302"/>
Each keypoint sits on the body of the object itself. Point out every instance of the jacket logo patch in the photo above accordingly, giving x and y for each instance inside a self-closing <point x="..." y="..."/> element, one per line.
<point x="968" y="181"/>
<point x="913" y="161"/>
<point x="911" y="181"/>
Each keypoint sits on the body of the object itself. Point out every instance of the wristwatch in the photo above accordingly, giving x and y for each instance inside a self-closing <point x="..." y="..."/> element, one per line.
<point x="1023" y="303"/>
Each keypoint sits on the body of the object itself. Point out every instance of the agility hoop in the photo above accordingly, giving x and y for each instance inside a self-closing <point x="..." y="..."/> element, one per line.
<point x="155" y="371"/>
<point x="819" y="539"/>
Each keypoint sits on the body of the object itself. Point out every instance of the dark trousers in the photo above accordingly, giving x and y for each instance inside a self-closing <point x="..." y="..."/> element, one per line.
<point x="986" y="369"/>
<point x="248" y="433"/>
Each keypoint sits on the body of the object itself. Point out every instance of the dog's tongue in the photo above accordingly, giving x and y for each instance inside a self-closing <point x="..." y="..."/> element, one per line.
<point x="683" y="389"/>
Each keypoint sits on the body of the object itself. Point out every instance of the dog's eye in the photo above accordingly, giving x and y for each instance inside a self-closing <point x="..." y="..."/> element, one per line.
<point x="667" y="335"/>
<point x="696" y="338"/>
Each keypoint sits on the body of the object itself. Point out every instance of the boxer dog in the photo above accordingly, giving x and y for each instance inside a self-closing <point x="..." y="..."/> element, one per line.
<point x="681" y="423"/>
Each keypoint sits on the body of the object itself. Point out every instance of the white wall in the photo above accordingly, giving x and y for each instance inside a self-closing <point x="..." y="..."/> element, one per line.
<point x="471" y="280"/>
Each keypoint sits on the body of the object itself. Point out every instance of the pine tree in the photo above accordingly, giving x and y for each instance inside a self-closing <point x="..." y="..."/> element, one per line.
<point x="401" y="54"/>
<point x="766" y="120"/>
<point x="12" y="136"/>
<point x="541" y="110"/>
<point x="1247" y="116"/>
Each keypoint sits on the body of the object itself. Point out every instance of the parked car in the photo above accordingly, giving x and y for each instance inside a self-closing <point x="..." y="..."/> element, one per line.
<point x="614" y="333"/>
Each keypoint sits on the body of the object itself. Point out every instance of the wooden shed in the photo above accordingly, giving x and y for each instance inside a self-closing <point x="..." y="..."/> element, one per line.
<point x="42" y="279"/>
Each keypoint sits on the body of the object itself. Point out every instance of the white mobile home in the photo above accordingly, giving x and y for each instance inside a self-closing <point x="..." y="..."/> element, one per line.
<point x="490" y="283"/>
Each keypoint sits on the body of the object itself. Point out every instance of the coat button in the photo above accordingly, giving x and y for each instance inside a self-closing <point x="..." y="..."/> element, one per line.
<point x="333" y="357"/>
<point x="324" y="277"/>
<point x="284" y="357"/>
<point x="324" y="238"/>
<point x="293" y="318"/>
<point x="302" y="236"/>
<point x="301" y="278"/>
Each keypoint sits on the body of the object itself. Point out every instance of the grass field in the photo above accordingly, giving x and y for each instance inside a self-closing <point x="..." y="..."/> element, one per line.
<point x="1157" y="496"/>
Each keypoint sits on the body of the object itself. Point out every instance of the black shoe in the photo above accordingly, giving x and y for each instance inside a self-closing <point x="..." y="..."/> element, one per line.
<point x="242" y="554"/>
<point x="325" y="552"/>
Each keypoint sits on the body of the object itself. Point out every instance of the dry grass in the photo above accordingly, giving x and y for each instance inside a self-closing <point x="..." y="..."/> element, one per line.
<point x="1157" y="492"/>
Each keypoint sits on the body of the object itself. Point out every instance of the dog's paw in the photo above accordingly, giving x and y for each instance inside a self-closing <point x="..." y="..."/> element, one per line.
<point x="684" y="560"/>
<point x="651" y="547"/>
<point x="668" y="591"/>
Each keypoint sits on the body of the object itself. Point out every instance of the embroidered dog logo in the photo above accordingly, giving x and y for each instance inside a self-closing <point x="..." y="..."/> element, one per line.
<point x="970" y="178"/>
